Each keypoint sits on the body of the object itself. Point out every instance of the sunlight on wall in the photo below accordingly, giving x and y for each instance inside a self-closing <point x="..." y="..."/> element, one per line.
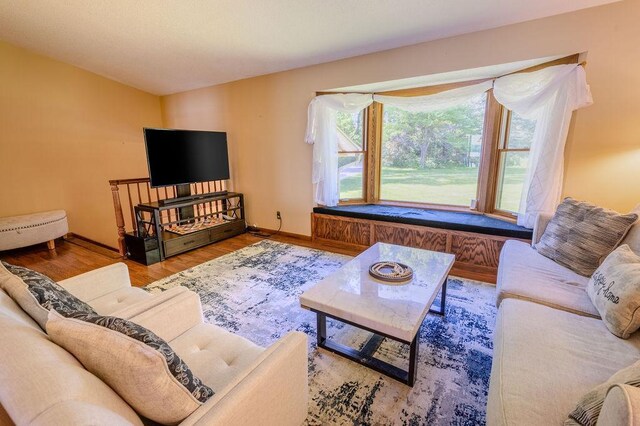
<point x="617" y="174"/>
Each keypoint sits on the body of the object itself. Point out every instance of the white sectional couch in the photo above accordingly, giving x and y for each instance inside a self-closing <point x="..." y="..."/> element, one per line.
<point x="550" y="346"/>
<point x="42" y="384"/>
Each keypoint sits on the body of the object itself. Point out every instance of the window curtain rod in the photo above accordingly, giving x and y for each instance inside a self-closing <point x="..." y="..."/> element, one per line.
<point x="582" y="64"/>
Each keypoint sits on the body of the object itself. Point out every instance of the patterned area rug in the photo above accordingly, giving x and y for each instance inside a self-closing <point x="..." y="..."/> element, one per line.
<point x="254" y="292"/>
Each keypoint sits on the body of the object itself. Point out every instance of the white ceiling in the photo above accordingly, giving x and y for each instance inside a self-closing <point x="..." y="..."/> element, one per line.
<point x="175" y="45"/>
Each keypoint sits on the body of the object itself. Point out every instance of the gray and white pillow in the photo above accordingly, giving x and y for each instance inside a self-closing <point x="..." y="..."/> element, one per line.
<point x="37" y="294"/>
<point x="588" y="408"/>
<point x="614" y="289"/>
<point x="140" y="366"/>
<point x="581" y="235"/>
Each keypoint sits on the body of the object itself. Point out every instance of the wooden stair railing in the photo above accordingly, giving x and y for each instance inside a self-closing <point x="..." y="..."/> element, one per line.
<point x="139" y="191"/>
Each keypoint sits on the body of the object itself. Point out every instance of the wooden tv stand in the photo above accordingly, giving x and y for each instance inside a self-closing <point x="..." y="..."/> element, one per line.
<point x="156" y="218"/>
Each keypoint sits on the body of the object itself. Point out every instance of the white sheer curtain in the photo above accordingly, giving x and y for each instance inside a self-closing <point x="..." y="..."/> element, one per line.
<point x="322" y="130"/>
<point x="323" y="134"/>
<point x="435" y="102"/>
<point x="549" y="96"/>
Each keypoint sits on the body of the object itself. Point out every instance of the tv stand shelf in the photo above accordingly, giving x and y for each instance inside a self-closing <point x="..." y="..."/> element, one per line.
<point x="216" y="216"/>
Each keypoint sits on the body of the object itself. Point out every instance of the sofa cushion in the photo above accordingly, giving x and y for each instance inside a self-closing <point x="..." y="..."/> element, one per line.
<point x="614" y="289"/>
<point x="39" y="378"/>
<point x="215" y="355"/>
<point x="545" y="359"/>
<point x="141" y="367"/>
<point x="588" y="407"/>
<point x="79" y="413"/>
<point x="581" y="235"/>
<point x="525" y="274"/>
<point x="632" y="239"/>
<point x="621" y="407"/>
<point x="116" y="301"/>
<point x="37" y="294"/>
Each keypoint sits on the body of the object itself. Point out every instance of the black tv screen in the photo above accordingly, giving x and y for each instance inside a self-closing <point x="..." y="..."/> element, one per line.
<point x="186" y="156"/>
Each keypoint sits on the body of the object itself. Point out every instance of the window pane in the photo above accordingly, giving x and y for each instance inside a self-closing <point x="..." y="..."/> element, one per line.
<point x="513" y="168"/>
<point x="350" y="131"/>
<point x="520" y="132"/>
<point x="350" y="175"/>
<point x="432" y="157"/>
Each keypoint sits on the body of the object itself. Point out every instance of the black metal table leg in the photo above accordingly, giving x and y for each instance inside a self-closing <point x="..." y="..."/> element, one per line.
<point x="443" y="299"/>
<point x="413" y="360"/>
<point x="321" y="320"/>
<point x="365" y="356"/>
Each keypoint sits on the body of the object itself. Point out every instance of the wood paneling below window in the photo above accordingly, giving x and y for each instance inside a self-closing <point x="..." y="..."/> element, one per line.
<point x="477" y="255"/>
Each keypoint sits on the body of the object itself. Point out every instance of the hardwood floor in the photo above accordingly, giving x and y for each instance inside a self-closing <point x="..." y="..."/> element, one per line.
<point x="74" y="257"/>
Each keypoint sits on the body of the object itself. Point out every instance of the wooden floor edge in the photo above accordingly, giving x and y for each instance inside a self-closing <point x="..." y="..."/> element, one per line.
<point x="285" y="234"/>
<point x="72" y="235"/>
<point x="92" y="245"/>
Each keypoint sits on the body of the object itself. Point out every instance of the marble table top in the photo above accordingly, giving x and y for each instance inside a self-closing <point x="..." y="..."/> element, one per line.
<point x="395" y="309"/>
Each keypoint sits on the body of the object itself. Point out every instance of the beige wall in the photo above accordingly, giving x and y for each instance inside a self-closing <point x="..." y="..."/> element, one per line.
<point x="64" y="132"/>
<point x="266" y="116"/>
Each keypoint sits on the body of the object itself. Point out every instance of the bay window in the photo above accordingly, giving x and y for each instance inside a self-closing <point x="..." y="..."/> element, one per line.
<point x="351" y="155"/>
<point x="455" y="146"/>
<point x="516" y="134"/>
<point x="432" y="157"/>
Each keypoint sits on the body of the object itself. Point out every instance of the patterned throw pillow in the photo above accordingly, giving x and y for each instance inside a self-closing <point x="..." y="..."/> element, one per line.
<point x="614" y="289"/>
<point x="37" y="294"/>
<point x="588" y="409"/>
<point x="580" y="235"/>
<point x="136" y="363"/>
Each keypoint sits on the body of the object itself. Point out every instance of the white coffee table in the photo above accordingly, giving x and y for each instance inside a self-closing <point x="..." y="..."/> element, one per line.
<point x="388" y="310"/>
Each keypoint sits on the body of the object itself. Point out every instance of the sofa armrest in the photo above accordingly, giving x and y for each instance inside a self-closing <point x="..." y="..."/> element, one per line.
<point x="621" y="407"/>
<point x="174" y="315"/>
<point x="99" y="282"/>
<point x="274" y="390"/>
<point x="542" y="220"/>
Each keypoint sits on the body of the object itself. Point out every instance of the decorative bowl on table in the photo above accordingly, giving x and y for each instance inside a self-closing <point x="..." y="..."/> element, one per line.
<point x="391" y="272"/>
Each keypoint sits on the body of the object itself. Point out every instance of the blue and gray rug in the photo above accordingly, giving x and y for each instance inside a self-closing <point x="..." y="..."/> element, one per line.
<point x="254" y="292"/>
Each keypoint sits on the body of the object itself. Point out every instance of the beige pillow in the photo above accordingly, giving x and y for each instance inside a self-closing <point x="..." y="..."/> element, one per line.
<point x="614" y="289"/>
<point x="140" y="366"/>
<point x="581" y="235"/>
<point x="37" y="294"/>
<point x="588" y="409"/>
<point x="632" y="239"/>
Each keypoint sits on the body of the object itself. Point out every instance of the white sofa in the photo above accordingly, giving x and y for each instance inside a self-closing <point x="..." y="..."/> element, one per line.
<point x="550" y="345"/>
<point x="42" y="384"/>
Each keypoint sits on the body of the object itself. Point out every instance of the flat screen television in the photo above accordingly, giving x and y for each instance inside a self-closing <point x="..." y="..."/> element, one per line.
<point x="178" y="157"/>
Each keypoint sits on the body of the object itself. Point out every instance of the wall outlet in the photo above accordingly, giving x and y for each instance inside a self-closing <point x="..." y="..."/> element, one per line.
<point x="278" y="215"/>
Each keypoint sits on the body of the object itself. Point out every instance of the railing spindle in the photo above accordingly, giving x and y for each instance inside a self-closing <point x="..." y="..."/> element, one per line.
<point x="139" y="193"/>
<point x="119" y="218"/>
<point x="133" y="220"/>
